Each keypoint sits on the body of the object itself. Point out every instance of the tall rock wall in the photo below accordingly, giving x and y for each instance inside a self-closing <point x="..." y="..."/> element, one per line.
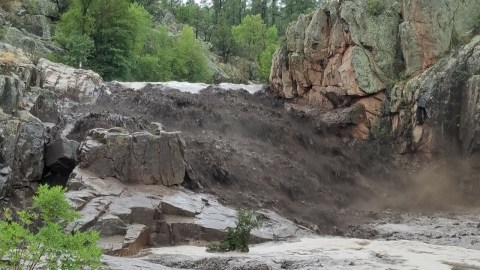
<point x="30" y="113"/>
<point x="377" y="54"/>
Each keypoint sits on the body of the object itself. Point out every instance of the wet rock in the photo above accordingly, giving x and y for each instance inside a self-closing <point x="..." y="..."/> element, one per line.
<point x="61" y="155"/>
<point x="46" y="108"/>
<point x="86" y="186"/>
<point x="420" y="27"/>
<point x="136" y="208"/>
<point x="22" y="147"/>
<point x="157" y="215"/>
<point x="79" y="198"/>
<point x="111" y="245"/>
<point x="182" y="204"/>
<point x="209" y="221"/>
<point x="437" y="108"/>
<point x="110" y="225"/>
<point x="11" y="92"/>
<point x="275" y="227"/>
<point x="90" y="213"/>
<point x="469" y="124"/>
<point x="139" y="157"/>
<point x="116" y="263"/>
<point x="135" y="240"/>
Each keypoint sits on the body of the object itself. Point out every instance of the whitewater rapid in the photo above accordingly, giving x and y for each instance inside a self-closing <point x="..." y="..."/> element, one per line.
<point x="317" y="253"/>
<point x="193" y="88"/>
<point x="348" y="253"/>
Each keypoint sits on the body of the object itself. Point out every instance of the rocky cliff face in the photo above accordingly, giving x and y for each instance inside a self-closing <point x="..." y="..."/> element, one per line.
<point x="30" y="24"/>
<point x="36" y="119"/>
<point x="405" y="62"/>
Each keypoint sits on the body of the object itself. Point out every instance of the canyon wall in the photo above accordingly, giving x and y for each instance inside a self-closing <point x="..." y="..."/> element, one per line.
<point x="410" y="64"/>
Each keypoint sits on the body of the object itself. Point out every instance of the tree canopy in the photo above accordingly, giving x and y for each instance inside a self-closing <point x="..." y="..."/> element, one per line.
<point x="119" y="39"/>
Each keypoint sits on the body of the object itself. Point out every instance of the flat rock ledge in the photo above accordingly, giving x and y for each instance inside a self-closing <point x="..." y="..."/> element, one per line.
<point x="132" y="217"/>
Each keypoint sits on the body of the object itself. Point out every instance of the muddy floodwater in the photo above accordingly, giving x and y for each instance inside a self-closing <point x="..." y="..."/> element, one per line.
<point x="316" y="253"/>
<point x="406" y="241"/>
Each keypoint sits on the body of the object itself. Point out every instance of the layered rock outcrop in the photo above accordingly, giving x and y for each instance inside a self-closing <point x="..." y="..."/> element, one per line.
<point x="137" y="158"/>
<point x="348" y="53"/>
<point x="30" y="116"/>
<point x="67" y="82"/>
<point x="132" y="217"/>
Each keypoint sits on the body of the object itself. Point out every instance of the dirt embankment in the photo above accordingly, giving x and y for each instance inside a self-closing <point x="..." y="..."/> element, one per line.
<point x="247" y="150"/>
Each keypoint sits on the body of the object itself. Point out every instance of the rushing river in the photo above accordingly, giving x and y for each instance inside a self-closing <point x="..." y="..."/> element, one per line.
<point x="320" y="253"/>
<point x="194" y="88"/>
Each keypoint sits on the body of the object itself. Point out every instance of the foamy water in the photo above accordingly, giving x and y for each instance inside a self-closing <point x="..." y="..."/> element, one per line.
<point x="194" y="88"/>
<point x="343" y="253"/>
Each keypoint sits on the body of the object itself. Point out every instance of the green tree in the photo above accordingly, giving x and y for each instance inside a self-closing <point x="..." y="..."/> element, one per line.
<point x="190" y="63"/>
<point x="156" y="59"/>
<point x="223" y="41"/>
<point x="25" y="245"/>
<point x="258" y="41"/>
<point x="118" y="29"/>
<point x="260" y="7"/>
<point x="254" y="36"/>
<point x="78" y="48"/>
<point x="265" y="62"/>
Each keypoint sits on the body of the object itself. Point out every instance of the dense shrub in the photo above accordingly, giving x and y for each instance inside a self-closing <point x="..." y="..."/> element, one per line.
<point x="238" y="238"/>
<point x="37" y="237"/>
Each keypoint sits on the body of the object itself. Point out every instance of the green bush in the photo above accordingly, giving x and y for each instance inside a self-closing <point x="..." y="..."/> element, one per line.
<point x="238" y="238"/>
<point x="375" y="7"/>
<point x="37" y="237"/>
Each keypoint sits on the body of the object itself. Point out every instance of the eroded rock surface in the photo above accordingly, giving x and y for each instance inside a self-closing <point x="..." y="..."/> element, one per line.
<point x="139" y="157"/>
<point x="434" y="112"/>
<point x="31" y="117"/>
<point x="350" y="52"/>
<point x="67" y="82"/>
<point x="21" y="147"/>
<point x="131" y="217"/>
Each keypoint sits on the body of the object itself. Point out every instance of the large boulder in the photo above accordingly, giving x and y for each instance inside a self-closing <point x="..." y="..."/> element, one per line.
<point x="61" y="155"/>
<point x="21" y="147"/>
<point x="140" y="157"/>
<point x="45" y="106"/>
<point x="76" y="84"/>
<point x="11" y="93"/>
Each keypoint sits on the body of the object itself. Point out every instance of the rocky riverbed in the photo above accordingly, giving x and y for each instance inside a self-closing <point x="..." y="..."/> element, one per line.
<point x="403" y="241"/>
